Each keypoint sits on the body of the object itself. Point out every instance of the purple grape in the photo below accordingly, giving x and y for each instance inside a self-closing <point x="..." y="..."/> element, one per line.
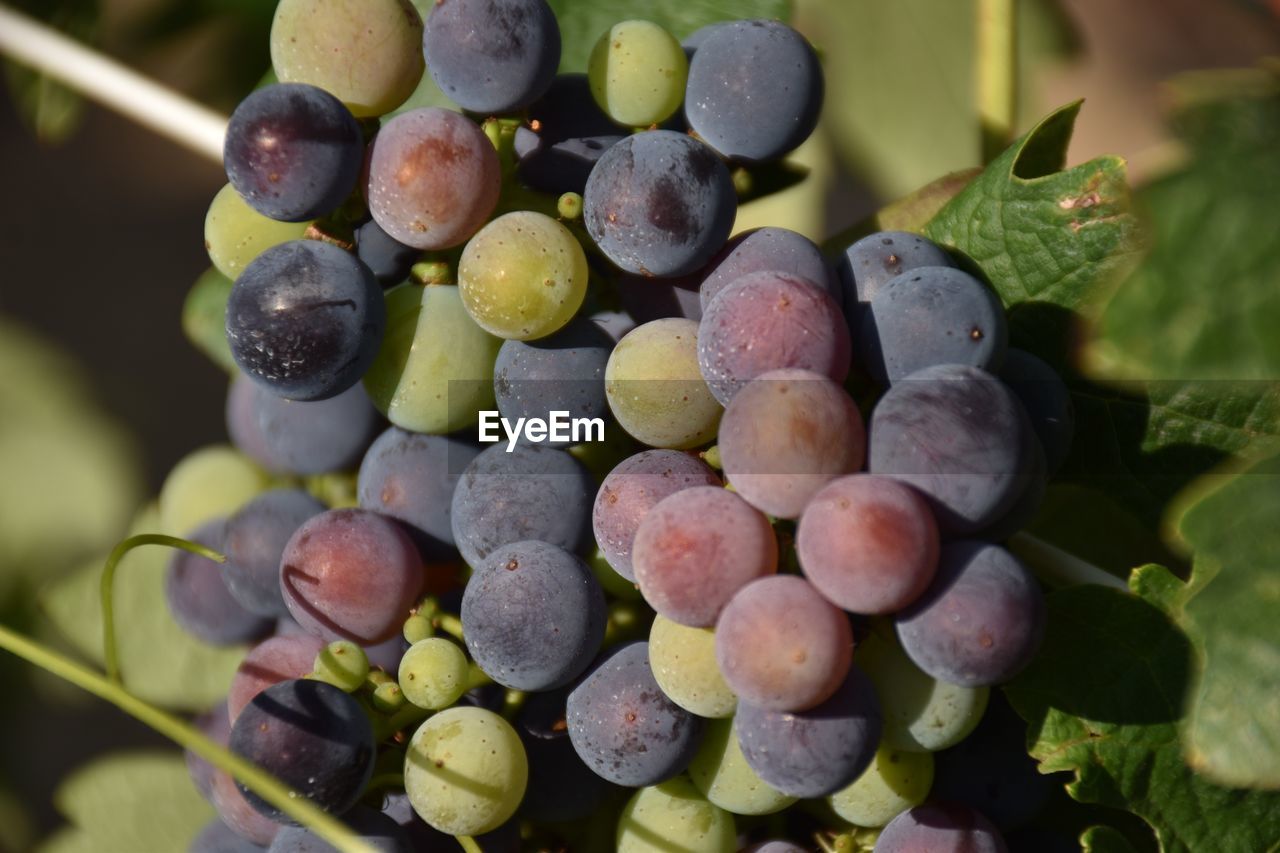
<point x="386" y="257"/>
<point x="872" y="262"/>
<point x="940" y="826"/>
<point x="646" y="298"/>
<point x="217" y="837"/>
<point x="254" y="541"/>
<point x="767" y="250"/>
<point x="273" y="660"/>
<point x="377" y="830"/>
<point x="199" y="599"/>
<point x="214" y="725"/>
<point x="565" y="135"/>
<point x="238" y="814"/>
<point x="1047" y="401"/>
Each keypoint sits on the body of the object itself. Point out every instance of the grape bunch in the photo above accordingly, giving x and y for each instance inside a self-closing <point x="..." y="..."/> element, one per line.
<point x="773" y="574"/>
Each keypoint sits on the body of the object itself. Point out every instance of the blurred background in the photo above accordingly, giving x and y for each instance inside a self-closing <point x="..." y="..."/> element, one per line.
<point x="100" y="239"/>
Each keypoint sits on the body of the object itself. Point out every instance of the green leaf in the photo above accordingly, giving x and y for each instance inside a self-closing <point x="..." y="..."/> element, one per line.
<point x="582" y="22"/>
<point x="1104" y="698"/>
<point x="160" y="662"/>
<point x="1233" y="730"/>
<point x="129" y="803"/>
<point x="49" y="108"/>
<point x="1104" y="839"/>
<point x="1205" y="301"/>
<point x="204" y="317"/>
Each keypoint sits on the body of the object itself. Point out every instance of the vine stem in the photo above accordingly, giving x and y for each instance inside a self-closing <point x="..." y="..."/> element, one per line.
<point x="262" y="783"/>
<point x="89" y="72"/>
<point x="469" y="844"/>
<point x="1058" y="568"/>
<point x="997" y="74"/>
<point x="110" y="650"/>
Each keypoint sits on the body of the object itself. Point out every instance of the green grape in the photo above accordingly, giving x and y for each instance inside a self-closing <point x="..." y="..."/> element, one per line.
<point x="637" y="73"/>
<point x="683" y="660"/>
<point x="433" y="673"/>
<point x="367" y="53"/>
<point x="212" y="482"/>
<point x="204" y="318"/>
<point x="387" y="698"/>
<point x="723" y="776"/>
<point x="655" y="388"/>
<point x="523" y="276"/>
<point x="343" y="664"/>
<point x="434" y="372"/>
<point x="895" y="781"/>
<point x="417" y="627"/>
<point x="235" y="233"/>
<point x="920" y="713"/>
<point x="674" y="816"/>
<point x="466" y="771"/>
<point x="614" y="584"/>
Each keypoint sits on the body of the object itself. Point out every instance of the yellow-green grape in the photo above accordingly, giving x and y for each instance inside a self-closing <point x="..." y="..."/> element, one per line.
<point x="655" y="389"/>
<point x="212" y="482"/>
<point x="434" y="371"/>
<point x="235" y="233"/>
<point x="637" y="72"/>
<point x="343" y="664"/>
<point x="367" y="53"/>
<point x="895" y="781"/>
<point x="723" y="776"/>
<point x="417" y="627"/>
<point x="387" y="698"/>
<point x="920" y="714"/>
<point x="465" y="771"/>
<point x="674" y="816"/>
<point x="683" y="660"/>
<point x="523" y="276"/>
<point x="433" y="673"/>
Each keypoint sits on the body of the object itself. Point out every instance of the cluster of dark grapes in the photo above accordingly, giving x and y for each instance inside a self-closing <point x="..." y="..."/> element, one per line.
<point x="754" y="591"/>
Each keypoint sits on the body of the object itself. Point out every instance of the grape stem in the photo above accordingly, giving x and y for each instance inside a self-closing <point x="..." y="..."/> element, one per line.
<point x="111" y="84"/>
<point x="262" y="783"/>
<point x="997" y="73"/>
<point x="468" y="844"/>
<point x="110" y="651"/>
<point x="1056" y="567"/>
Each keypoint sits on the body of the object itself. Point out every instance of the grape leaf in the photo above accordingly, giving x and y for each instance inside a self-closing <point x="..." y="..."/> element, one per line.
<point x="1233" y="730"/>
<point x="129" y="802"/>
<point x="1205" y="301"/>
<point x="1104" y="839"/>
<point x="204" y="318"/>
<point x="160" y="662"/>
<point x="1104" y="698"/>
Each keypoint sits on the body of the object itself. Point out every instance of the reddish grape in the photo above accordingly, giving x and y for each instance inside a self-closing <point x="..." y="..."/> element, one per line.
<point x="273" y="660"/>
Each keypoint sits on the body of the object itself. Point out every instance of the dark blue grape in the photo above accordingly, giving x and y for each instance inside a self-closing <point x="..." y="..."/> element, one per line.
<point x="957" y="435"/>
<point x="755" y="90"/>
<point x="872" y="262"/>
<point x="533" y="492"/>
<point x="816" y="752"/>
<point x="614" y="323"/>
<point x="561" y="787"/>
<point x="565" y="135"/>
<point x="386" y="257"/>
<point x="929" y="316"/>
<point x="767" y="250"/>
<point x="980" y="621"/>
<point x="533" y="616"/>
<point x="296" y="437"/>
<point x="305" y="319"/>
<point x="647" y="299"/>
<point x="492" y="56"/>
<point x="625" y="728"/>
<point x="1026" y="506"/>
<point x="217" y="837"/>
<point x="380" y="832"/>
<point x="659" y="203"/>
<point x="293" y="151"/>
<point x="312" y="737"/>
<point x="199" y="599"/>
<point x="694" y="40"/>
<point x="940" y="826"/>
<point x="426" y="839"/>
<point x="1047" y="401"/>
<point x="412" y="477"/>
<point x="563" y="372"/>
<point x="254" y="542"/>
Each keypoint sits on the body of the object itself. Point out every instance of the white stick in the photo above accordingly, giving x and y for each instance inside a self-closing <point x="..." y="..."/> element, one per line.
<point x="112" y="84"/>
<point x="1057" y="567"/>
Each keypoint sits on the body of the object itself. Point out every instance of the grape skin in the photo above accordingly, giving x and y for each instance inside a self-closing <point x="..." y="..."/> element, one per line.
<point x="381" y="833"/>
<point x="433" y="673"/>
<point x="214" y="725"/>
<point x="684" y="664"/>
<point x="199" y="600"/>
<point x="217" y="837"/>
<point x="782" y="646"/>
<point x="631" y="489"/>
<point x="872" y="262"/>
<point x="637" y="71"/>
<point x="561" y="787"/>
<point x="785" y="435"/>
<point x="208" y="483"/>
<point x="767" y="250"/>
<point x="980" y="622"/>
<point x="674" y="816"/>
<point x="237" y="813"/>
<point x="891" y="784"/>
<point x="387" y="258"/>
<point x="235" y="233"/>
<point x="275" y="659"/>
<point x="254" y="540"/>
<point x="1048" y="403"/>
<point x="722" y="774"/>
<point x="647" y="299"/>
<point x="433" y="178"/>
<point x="940" y="826"/>
<point x="696" y="548"/>
<point x="566" y="134"/>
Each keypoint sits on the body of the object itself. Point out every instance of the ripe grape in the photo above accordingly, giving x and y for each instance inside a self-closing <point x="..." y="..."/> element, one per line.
<point x="785" y="435"/>
<point x="565" y="135"/>
<point x="782" y="646"/>
<point x="722" y="774"/>
<point x="1047" y="401"/>
<point x="272" y="661"/>
<point x="673" y="816"/>
<point x="433" y="178"/>
<point x="562" y="372"/>
<point x="523" y="276"/>
<point x="492" y="56"/>
<point x="684" y="664"/>
<point x="659" y="203"/>
<point x="433" y="673"/>
<point x="655" y="389"/>
<point x="637" y="72"/>
<point x="466" y="771"/>
<point x="767" y="321"/>
<point x="379" y="832"/>
<point x="198" y="597"/>
<point x="873" y="261"/>
<point x="351" y="574"/>
<point x="696" y="548"/>
<point x="767" y="250"/>
<point x="214" y="725"/>
<point x="254" y="541"/>
<point x="386" y="257"/>
<point x="646" y="299"/>
<point x="940" y="826"/>
<point x="869" y="544"/>
<point x="236" y="812"/>
<point x="893" y="782"/>
<point x="235" y="233"/>
<point x="981" y="620"/>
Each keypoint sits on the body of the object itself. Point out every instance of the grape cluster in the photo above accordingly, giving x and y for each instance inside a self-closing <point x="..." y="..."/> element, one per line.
<point x="752" y="589"/>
